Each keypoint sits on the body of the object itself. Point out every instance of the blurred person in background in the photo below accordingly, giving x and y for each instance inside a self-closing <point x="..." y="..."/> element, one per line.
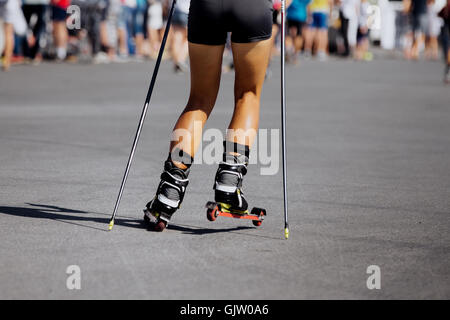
<point x="344" y="27"/>
<point x="13" y="22"/>
<point x="362" y="45"/>
<point x="113" y="31"/>
<point x="122" y="35"/>
<point x="418" y="12"/>
<point x="434" y="24"/>
<point x="444" y="13"/>
<point x="154" y="25"/>
<point x="137" y="27"/>
<point x="276" y="21"/>
<point x="93" y="13"/>
<point x="129" y="11"/>
<point x="349" y="13"/>
<point x="34" y="13"/>
<point x="60" y="33"/>
<point x="317" y="36"/>
<point x="8" y="30"/>
<point x="103" y="28"/>
<point x="404" y="29"/>
<point x="178" y="44"/>
<point x="297" y="14"/>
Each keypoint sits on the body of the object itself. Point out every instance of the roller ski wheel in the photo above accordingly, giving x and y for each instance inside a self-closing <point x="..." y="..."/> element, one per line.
<point x="214" y="210"/>
<point x="153" y="221"/>
<point x="211" y="214"/>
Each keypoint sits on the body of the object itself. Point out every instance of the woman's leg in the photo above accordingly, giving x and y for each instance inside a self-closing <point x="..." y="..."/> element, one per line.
<point x="179" y="44"/>
<point x="299" y="40"/>
<point x="292" y="44"/>
<point x="309" y="40"/>
<point x="60" y="35"/>
<point x="206" y="67"/>
<point x="322" y="39"/>
<point x="9" y="45"/>
<point x="273" y="38"/>
<point x="154" y="40"/>
<point x="250" y="62"/>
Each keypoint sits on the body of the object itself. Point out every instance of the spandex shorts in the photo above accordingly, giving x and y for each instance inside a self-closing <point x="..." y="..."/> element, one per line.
<point x="248" y="21"/>
<point x="180" y="18"/>
<point x="58" y="14"/>
<point x="319" y="20"/>
<point x="297" y="25"/>
<point x="360" y="36"/>
<point x="419" y="23"/>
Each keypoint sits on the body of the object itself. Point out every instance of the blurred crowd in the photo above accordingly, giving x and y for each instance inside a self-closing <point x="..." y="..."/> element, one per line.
<point x="103" y="31"/>
<point x="97" y="31"/>
<point x="342" y="27"/>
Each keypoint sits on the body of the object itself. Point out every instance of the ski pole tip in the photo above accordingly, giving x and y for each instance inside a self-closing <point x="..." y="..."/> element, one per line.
<point x="286" y="233"/>
<point x="111" y="225"/>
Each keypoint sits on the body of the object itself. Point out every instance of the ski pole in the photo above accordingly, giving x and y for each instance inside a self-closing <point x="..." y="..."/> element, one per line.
<point x="144" y="112"/>
<point x="283" y="116"/>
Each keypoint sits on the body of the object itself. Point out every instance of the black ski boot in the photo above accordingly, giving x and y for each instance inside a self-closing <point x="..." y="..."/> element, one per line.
<point x="228" y="184"/>
<point x="168" y="197"/>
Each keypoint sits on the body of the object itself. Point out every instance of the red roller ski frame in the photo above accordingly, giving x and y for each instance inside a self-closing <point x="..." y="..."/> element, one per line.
<point x="215" y="210"/>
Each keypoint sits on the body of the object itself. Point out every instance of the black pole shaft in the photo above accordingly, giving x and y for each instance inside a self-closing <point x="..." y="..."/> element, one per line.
<point x="283" y="116"/>
<point x="144" y="112"/>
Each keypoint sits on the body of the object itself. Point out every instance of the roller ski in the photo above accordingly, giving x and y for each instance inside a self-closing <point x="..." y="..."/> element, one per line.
<point x="168" y="198"/>
<point x="215" y="210"/>
<point x="229" y="198"/>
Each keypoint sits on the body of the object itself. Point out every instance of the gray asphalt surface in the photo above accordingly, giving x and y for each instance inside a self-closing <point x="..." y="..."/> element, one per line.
<point x="369" y="182"/>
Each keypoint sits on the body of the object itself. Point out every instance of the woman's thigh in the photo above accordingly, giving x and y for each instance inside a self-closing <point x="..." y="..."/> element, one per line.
<point x="250" y="62"/>
<point x="206" y="66"/>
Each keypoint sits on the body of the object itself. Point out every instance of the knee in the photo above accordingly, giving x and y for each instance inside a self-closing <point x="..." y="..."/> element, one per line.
<point x="201" y="103"/>
<point x="247" y="97"/>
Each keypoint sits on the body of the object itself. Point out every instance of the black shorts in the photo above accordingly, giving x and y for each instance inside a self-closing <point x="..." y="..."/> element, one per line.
<point x="275" y="17"/>
<point x="248" y="21"/>
<point x="58" y="14"/>
<point x="360" y="36"/>
<point x="297" y="25"/>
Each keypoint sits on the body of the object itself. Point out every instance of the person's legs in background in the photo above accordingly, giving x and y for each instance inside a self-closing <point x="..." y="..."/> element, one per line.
<point x="103" y="27"/>
<point x="322" y="37"/>
<point x="60" y="34"/>
<point x="445" y="40"/>
<point x="9" y="45"/>
<point x="419" y="25"/>
<point x="344" y="33"/>
<point x="294" y="40"/>
<point x="138" y="28"/>
<point x="179" y="45"/>
<point x="154" y="24"/>
<point x="310" y="36"/>
<point x="122" y="31"/>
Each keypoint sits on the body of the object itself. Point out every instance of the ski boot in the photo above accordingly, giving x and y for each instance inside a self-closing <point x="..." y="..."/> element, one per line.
<point x="168" y="198"/>
<point x="229" y="198"/>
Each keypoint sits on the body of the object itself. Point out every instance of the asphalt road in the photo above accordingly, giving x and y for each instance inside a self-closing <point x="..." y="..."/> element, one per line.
<point x="369" y="182"/>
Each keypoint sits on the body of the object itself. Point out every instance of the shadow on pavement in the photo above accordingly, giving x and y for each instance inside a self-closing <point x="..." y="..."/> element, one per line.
<point x="202" y="231"/>
<point x="75" y="217"/>
<point x="41" y="211"/>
